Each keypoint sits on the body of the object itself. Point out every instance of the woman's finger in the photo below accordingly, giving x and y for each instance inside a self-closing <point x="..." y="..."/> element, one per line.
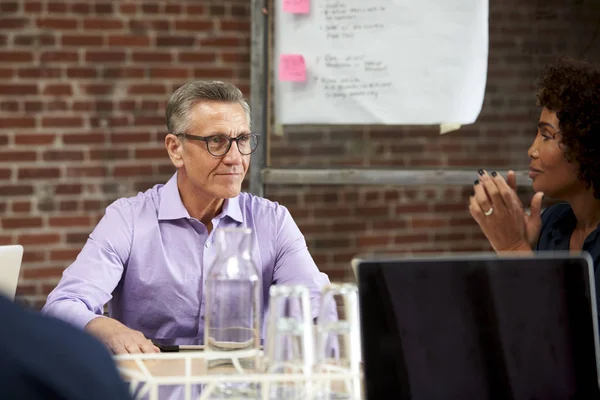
<point x="481" y="197"/>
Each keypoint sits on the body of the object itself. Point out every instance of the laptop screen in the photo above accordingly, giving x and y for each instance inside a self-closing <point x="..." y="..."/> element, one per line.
<point x="478" y="328"/>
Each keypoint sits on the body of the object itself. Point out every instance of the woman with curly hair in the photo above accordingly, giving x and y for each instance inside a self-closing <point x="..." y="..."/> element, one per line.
<point x="564" y="165"/>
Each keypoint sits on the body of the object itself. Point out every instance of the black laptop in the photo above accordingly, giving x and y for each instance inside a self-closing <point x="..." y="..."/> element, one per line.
<point x="479" y="327"/>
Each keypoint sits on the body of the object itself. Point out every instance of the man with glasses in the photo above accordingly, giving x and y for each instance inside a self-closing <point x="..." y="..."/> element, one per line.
<point x="148" y="254"/>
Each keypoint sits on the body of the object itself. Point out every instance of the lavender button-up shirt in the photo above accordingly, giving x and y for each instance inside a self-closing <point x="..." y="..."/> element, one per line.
<point x="148" y="259"/>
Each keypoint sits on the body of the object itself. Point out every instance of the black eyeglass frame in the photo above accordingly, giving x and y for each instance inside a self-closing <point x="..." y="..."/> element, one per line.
<point x="236" y="139"/>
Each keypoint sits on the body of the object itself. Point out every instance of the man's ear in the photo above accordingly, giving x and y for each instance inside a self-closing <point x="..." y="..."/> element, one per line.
<point x="175" y="149"/>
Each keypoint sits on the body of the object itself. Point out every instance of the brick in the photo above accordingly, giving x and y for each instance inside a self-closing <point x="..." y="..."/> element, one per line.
<point x="222" y="41"/>
<point x="124" y="73"/>
<point x="42" y="272"/>
<point x="213" y="73"/>
<point x="374" y="240"/>
<point x="21" y="222"/>
<point x="57" y="23"/>
<point x="92" y="56"/>
<point x="217" y="10"/>
<point x="33" y="106"/>
<point x="17" y="89"/>
<point x="65" y="221"/>
<point x="109" y="154"/>
<point x="15" y="155"/>
<point x="21" y="206"/>
<point x="13" y="23"/>
<point x="64" y="255"/>
<point x="81" y="8"/>
<point x="5" y="173"/>
<point x="151" y="57"/>
<point x="195" y="9"/>
<point x="40" y="73"/>
<point x="25" y="138"/>
<point x="82" y="40"/>
<point x="16" y="190"/>
<point x="38" y="239"/>
<point x="82" y="73"/>
<point x="6" y="73"/>
<point x="94" y="205"/>
<point x="132" y="170"/>
<point x="129" y="137"/>
<point x="149" y="121"/>
<point x="147" y="89"/>
<point x="169" y="73"/>
<point x="148" y="25"/>
<point x="63" y="155"/>
<point x="33" y="6"/>
<point x="128" y="8"/>
<point x="236" y="57"/>
<point x="57" y="7"/>
<point x="77" y="237"/>
<point x="111" y="122"/>
<point x="428" y="222"/>
<point x="59" y="56"/>
<point x="240" y="11"/>
<point x="38" y="173"/>
<point x="196" y="57"/>
<point x="104" y="8"/>
<point x="166" y="169"/>
<point x="9" y="106"/>
<point x="16" y="56"/>
<point x="26" y="289"/>
<point x="173" y="8"/>
<point x="128" y="41"/>
<point x="41" y="39"/>
<point x="194" y="25"/>
<point x="3" y="140"/>
<point x="68" y="188"/>
<point x="7" y="7"/>
<point x="30" y="256"/>
<point x="84" y="138"/>
<point x="86" y="172"/>
<point x="98" y="89"/>
<point x="58" y="90"/>
<point x="175" y="41"/>
<point x="103" y="24"/>
<point x="236" y="26"/>
<point x="159" y="152"/>
<point x="62" y="122"/>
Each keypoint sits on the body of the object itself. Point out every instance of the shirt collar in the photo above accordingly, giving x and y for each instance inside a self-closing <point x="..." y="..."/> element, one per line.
<point x="171" y="206"/>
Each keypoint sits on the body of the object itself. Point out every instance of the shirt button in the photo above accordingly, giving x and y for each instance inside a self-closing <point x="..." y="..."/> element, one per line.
<point x="207" y="245"/>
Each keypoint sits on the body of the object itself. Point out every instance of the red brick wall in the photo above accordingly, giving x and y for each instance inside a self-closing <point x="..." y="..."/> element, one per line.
<point x="83" y="86"/>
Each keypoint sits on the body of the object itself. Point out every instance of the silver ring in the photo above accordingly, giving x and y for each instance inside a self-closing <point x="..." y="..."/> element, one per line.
<point x="489" y="212"/>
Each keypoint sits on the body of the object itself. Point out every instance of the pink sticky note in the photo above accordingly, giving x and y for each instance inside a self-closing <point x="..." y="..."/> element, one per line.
<point x="292" y="68"/>
<point x="296" y="6"/>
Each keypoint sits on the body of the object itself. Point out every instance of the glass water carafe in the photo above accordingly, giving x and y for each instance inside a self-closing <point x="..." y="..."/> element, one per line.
<point x="233" y="306"/>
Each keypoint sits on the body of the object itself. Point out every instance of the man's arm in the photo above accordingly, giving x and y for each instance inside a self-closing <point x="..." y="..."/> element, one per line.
<point x="294" y="264"/>
<point x="87" y="284"/>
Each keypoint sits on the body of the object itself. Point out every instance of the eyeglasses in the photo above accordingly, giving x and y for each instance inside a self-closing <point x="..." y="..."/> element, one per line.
<point x="219" y="145"/>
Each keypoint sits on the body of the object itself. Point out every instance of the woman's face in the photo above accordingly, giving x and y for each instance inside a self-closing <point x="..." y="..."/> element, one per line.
<point x="549" y="170"/>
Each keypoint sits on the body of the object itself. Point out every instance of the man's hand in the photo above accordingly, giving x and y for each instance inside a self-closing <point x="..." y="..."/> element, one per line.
<point x="119" y="338"/>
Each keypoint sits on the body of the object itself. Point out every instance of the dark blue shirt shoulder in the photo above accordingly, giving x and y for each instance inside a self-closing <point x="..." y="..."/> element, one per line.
<point x="44" y="358"/>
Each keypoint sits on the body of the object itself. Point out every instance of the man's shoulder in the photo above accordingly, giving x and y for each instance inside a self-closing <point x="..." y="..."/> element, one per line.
<point x="257" y="203"/>
<point x="149" y="197"/>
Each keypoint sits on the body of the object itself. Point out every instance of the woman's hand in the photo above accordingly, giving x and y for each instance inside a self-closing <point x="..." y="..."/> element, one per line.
<point x="500" y="214"/>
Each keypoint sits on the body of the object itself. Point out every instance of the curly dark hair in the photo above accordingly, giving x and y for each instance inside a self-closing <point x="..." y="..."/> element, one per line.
<point x="571" y="88"/>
